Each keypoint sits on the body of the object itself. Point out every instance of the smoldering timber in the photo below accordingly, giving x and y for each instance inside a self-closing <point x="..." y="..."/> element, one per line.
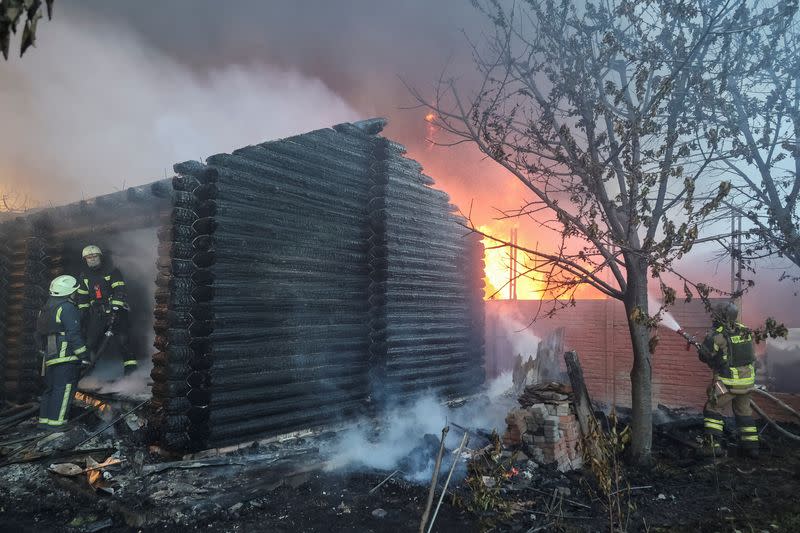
<point x="299" y="282"/>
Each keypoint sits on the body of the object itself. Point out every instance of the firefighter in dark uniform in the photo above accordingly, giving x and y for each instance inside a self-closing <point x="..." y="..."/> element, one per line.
<point x="102" y="299"/>
<point x="729" y="350"/>
<point x="59" y="337"/>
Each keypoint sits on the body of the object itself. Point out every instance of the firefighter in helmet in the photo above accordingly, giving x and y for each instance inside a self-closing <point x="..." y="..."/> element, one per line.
<point x="102" y="299"/>
<point x="58" y="335"/>
<point x="729" y="350"/>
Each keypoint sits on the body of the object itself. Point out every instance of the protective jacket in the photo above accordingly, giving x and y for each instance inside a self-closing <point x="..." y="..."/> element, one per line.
<point x="102" y="287"/>
<point x="730" y="352"/>
<point x="59" y="332"/>
<point x="103" y="299"/>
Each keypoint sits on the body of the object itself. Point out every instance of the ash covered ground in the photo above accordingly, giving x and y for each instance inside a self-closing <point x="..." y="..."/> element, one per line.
<point x="310" y="484"/>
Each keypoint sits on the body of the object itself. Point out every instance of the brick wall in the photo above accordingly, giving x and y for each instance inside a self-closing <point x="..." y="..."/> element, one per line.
<point x="598" y="331"/>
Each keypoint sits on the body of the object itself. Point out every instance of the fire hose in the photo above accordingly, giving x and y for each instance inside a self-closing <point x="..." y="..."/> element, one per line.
<point x="771" y="422"/>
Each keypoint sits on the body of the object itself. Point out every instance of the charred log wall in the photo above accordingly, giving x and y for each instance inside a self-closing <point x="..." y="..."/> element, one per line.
<point x="5" y="287"/>
<point x="182" y="312"/>
<point x="426" y="290"/>
<point x="297" y="282"/>
<point x="27" y="280"/>
<point x="290" y="338"/>
<point x="323" y="271"/>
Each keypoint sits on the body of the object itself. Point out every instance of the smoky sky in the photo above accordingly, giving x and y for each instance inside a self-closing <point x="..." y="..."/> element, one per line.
<point x="116" y="92"/>
<point x="174" y="67"/>
<point x="364" y="51"/>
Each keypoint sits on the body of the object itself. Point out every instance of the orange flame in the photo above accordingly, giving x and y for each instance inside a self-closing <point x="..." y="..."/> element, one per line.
<point x="531" y="285"/>
<point x="430" y="117"/>
<point x="92" y="402"/>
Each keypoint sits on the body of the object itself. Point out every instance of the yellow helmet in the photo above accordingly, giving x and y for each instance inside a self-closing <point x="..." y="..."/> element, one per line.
<point x="91" y="250"/>
<point x="63" y="286"/>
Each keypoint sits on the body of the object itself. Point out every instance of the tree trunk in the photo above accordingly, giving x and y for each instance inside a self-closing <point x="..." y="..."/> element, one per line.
<point x="641" y="373"/>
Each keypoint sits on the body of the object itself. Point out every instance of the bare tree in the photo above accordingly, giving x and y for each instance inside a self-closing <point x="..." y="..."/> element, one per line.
<point x="754" y="124"/>
<point x="11" y="14"/>
<point x="589" y="107"/>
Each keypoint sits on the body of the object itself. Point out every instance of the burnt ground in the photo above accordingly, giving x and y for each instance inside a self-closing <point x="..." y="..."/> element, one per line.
<point x="284" y="487"/>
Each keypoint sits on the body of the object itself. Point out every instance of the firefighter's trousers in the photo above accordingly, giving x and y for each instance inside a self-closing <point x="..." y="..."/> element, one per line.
<point x="740" y="402"/>
<point x="117" y="345"/>
<point x="60" y="381"/>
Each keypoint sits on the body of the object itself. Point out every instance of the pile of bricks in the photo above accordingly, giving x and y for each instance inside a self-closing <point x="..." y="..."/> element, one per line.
<point x="545" y="427"/>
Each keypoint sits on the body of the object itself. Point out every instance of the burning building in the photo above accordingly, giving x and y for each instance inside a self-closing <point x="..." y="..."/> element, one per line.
<point x="294" y="283"/>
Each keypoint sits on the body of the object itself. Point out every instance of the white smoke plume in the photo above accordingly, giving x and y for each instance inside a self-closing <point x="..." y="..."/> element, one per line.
<point x="401" y="429"/>
<point x="523" y="341"/>
<point x="105" y="378"/>
<point x="94" y="108"/>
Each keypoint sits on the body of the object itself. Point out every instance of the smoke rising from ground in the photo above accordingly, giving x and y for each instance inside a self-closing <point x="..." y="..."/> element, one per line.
<point x="95" y="107"/>
<point x="401" y="429"/>
<point x="519" y="333"/>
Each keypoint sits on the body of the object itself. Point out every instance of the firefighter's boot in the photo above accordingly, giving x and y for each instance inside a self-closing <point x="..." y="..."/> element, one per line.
<point x="711" y="448"/>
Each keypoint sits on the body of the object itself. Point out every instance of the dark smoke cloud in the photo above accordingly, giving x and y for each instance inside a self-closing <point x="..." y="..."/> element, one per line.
<point x="118" y="91"/>
<point x="362" y="50"/>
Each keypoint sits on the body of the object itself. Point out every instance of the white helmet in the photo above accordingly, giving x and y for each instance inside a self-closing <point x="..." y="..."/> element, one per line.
<point x="91" y="250"/>
<point x="63" y="286"/>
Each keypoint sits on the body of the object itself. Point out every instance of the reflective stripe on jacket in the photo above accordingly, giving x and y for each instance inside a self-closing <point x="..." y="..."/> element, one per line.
<point x="103" y="287"/>
<point x="58" y="327"/>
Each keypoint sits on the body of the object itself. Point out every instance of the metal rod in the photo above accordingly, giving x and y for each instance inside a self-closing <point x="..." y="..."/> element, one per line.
<point x="379" y="485"/>
<point x="447" y="481"/>
<point x="120" y="417"/>
<point x="434" y="477"/>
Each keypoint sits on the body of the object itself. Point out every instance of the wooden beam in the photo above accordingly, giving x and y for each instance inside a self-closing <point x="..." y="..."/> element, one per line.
<point x="583" y="405"/>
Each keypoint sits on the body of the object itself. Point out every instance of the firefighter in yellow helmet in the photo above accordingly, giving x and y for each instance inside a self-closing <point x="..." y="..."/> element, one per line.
<point x="58" y="336"/>
<point x="729" y="350"/>
<point x="103" y="300"/>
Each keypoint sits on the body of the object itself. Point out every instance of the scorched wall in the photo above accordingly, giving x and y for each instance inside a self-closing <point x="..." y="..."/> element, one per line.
<point x="299" y="282"/>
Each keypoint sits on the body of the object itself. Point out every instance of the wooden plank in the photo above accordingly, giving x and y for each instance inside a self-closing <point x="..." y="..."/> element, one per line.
<point x="583" y="405"/>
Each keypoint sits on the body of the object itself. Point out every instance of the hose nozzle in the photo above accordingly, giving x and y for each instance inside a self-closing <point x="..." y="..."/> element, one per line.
<point x="689" y="338"/>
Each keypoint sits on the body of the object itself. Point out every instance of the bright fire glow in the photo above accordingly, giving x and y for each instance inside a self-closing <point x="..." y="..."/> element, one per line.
<point x="497" y="259"/>
<point x="530" y="285"/>
<point x="92" y="402"/>
<point x="430" y="117"/>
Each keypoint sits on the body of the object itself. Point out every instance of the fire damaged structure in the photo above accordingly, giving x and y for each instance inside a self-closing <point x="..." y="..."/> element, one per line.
<point x="298" y="282"/>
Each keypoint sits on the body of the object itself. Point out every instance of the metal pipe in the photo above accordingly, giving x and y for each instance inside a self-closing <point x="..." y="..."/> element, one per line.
<point x="464" y="441"/>
<point x="434" y="477"/>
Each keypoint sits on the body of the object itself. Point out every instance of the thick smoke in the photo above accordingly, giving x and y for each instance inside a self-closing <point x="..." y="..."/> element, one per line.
<point x="510" y="335"/>
<point x="95" y="107"/>
<point x="401" y="429"/>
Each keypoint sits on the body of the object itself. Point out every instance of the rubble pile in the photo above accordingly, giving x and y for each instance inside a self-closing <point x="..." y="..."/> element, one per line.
<point x="545" y="426"/>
